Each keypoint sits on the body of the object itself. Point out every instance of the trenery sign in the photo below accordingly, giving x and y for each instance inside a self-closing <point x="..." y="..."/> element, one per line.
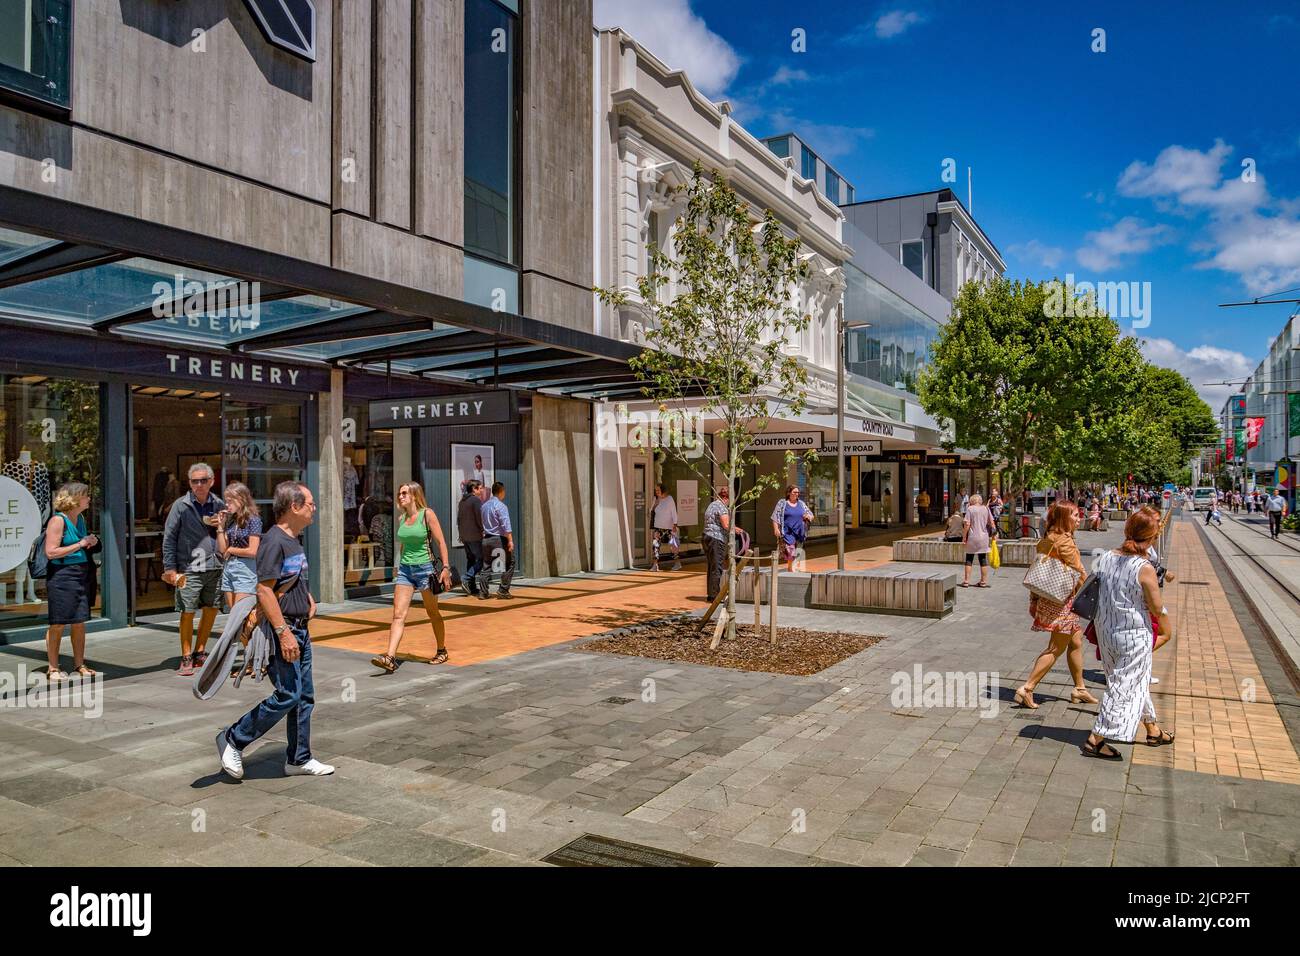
<point x="470" y="408"/>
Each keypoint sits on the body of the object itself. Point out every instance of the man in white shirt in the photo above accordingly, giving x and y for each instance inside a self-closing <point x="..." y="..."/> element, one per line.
<point x="663" y="527"/>
<point x="1275" y="505"/>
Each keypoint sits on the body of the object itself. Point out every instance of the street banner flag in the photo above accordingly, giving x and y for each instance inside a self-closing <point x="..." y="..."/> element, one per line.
<point x="1231" y="447"/>
<point x="1253" y="428"/>
<point x="1293" y="400"/>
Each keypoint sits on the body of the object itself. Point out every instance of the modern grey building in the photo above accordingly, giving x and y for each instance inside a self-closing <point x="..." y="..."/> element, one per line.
<point x="931" y="234"/>
<point x="810" y="165"/>
<point x="352" y="247"/>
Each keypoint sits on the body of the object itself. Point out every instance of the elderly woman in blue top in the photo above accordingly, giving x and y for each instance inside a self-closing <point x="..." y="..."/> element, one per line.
<point x="70" y="580"/>
<point x="790" y="521"/>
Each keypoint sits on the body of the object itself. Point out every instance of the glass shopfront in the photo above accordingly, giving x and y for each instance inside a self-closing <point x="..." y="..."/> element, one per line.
<point x="257" y="443"/>
<point x="368" y="499"/>
<point x="816" y="482"/>
<point x="878" y="499"/>
<point x="49" y="435"/>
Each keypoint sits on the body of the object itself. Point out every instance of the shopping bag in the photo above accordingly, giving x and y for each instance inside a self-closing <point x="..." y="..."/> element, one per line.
<point x="995" y="558"/>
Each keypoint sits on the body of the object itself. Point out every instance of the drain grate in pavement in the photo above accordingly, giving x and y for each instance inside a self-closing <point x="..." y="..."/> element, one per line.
<point x="592" y="850"/>
<point x="1204" y="584"/>
<point x="617" y="701"/>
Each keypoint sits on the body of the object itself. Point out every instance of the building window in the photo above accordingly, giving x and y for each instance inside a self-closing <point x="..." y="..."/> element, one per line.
<point x="832" y="187"/>
<point x="780" y="146"/>
<point x="490" y="133"/>
<point x="35" y="40"/>
<point x="913" y="257"/>
<point x="849" y="196"/>
<point x="808" y="163"/>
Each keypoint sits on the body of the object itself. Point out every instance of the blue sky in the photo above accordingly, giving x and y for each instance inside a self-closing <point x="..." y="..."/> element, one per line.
<point x="1122" y="165"/>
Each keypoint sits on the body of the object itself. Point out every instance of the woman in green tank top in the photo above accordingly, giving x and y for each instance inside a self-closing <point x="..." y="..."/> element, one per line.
<point x="417" y="530"/>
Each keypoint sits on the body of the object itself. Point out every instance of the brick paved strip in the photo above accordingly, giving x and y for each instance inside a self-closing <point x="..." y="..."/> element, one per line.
<point x="1207" y="675"/>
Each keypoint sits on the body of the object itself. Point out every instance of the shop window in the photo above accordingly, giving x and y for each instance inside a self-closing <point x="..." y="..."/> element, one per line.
<point x="262" y="445"/>
<point x="368" y="529"/>
<point x="49" y="435"/>
<point x="35" y="49"/>
<point x="691" y="493"/>
<point x="816" y="481"/>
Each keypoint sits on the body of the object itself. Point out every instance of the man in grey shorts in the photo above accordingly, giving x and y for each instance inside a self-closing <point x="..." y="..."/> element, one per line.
<point x="190" y="560"/>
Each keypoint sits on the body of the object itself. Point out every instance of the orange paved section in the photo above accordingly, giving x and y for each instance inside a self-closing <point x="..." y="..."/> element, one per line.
<point x="1208" y="675"/>
<point x="536" y="617"/>
<point x="548" y="614"/>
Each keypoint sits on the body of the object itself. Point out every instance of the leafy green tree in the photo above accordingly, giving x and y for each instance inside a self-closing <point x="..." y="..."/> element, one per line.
<point x="1021" y="381"/>
<point x="719" y="342"/>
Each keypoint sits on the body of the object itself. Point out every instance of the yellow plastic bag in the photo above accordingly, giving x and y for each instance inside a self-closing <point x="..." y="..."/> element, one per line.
<point x="995" y="559"/>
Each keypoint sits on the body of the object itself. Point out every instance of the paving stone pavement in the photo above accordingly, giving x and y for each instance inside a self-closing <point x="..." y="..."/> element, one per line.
<point x="502" y="762"/>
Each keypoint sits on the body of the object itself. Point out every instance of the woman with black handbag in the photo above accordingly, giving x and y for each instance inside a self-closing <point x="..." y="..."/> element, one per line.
<point x="1057" y="618"/>
<point x="70" y="581"/>
<point x="419" y="569"/>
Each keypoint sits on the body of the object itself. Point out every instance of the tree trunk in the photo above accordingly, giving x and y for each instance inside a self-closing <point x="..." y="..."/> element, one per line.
<point x="731" y="558"/>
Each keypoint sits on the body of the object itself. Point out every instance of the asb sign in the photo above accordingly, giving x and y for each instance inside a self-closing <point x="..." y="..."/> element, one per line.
<point x="287" y="24"/>
<point x="20" y="524"/>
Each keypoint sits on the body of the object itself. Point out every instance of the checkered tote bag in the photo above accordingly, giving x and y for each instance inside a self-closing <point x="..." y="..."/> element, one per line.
<point x="1050" y="577"/>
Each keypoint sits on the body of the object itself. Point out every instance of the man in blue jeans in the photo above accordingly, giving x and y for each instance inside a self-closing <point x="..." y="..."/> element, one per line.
<point x="285" y="600"/>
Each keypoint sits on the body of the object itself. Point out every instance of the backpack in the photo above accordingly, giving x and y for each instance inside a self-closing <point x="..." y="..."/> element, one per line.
<point x="38" y="565"/>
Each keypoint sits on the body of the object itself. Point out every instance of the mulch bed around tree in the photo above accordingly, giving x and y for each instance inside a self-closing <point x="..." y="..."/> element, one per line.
<point x="798" y="651"/>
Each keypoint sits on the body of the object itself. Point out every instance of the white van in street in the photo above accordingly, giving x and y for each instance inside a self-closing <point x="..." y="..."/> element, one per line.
<point x="1202" y="498"/>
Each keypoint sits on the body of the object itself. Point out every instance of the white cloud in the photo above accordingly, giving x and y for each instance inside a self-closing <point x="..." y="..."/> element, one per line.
<point x="896" y="22"/>
<point x="1176" y="170"/>
<point x="1038" y="253"/>
<point x="784" y="76"/>
<point x="828" y="140"/>
<point x="1205" y="363"/>
<point x="1105" y="248"/>
<point x="1250" y="233"/>
<point x="676" y="35"/>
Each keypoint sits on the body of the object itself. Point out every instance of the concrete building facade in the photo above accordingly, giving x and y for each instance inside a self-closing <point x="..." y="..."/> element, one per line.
<point x="396" y="187"/>
<point x="933" y="235"/>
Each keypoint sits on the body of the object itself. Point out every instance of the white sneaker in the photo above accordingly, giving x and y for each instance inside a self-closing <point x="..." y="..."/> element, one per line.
<point x="232" y="761"/>
<point x="1155" y="680"/>
<point x="312" y="768"/>
<point x="677" y="565"/>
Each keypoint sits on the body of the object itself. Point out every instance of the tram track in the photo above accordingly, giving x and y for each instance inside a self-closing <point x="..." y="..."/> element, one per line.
<point x="1282" y="584"/>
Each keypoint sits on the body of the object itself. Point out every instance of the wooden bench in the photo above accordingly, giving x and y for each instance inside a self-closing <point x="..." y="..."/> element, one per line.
<point x="932" y="549"/>
<point x="887" y="591"/>
<point x="879" y="590"/>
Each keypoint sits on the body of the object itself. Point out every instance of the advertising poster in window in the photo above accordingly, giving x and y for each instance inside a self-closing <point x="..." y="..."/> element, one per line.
<point x="469" y="462"/>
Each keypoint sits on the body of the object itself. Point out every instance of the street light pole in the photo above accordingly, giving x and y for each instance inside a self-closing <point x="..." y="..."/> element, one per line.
<point x="841" y="343"/>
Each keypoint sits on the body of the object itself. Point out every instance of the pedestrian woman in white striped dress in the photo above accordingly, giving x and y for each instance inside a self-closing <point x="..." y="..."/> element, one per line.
<point x="1129" y="599"/>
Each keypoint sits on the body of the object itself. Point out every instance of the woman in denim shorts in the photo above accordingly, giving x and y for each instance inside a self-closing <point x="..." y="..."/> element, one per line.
<point x="239" y="531"/>
<point x="418" y="531"/>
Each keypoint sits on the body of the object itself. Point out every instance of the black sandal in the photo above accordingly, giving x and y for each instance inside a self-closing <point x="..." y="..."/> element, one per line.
<point x="1095" y="750"/>
<point x="384" y="663"/>
<point x="1165" y="738"/>
<point x="440" y="657"/>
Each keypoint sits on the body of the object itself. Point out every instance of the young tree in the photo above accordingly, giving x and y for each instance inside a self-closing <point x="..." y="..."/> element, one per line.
<point x="719" y="344"/>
